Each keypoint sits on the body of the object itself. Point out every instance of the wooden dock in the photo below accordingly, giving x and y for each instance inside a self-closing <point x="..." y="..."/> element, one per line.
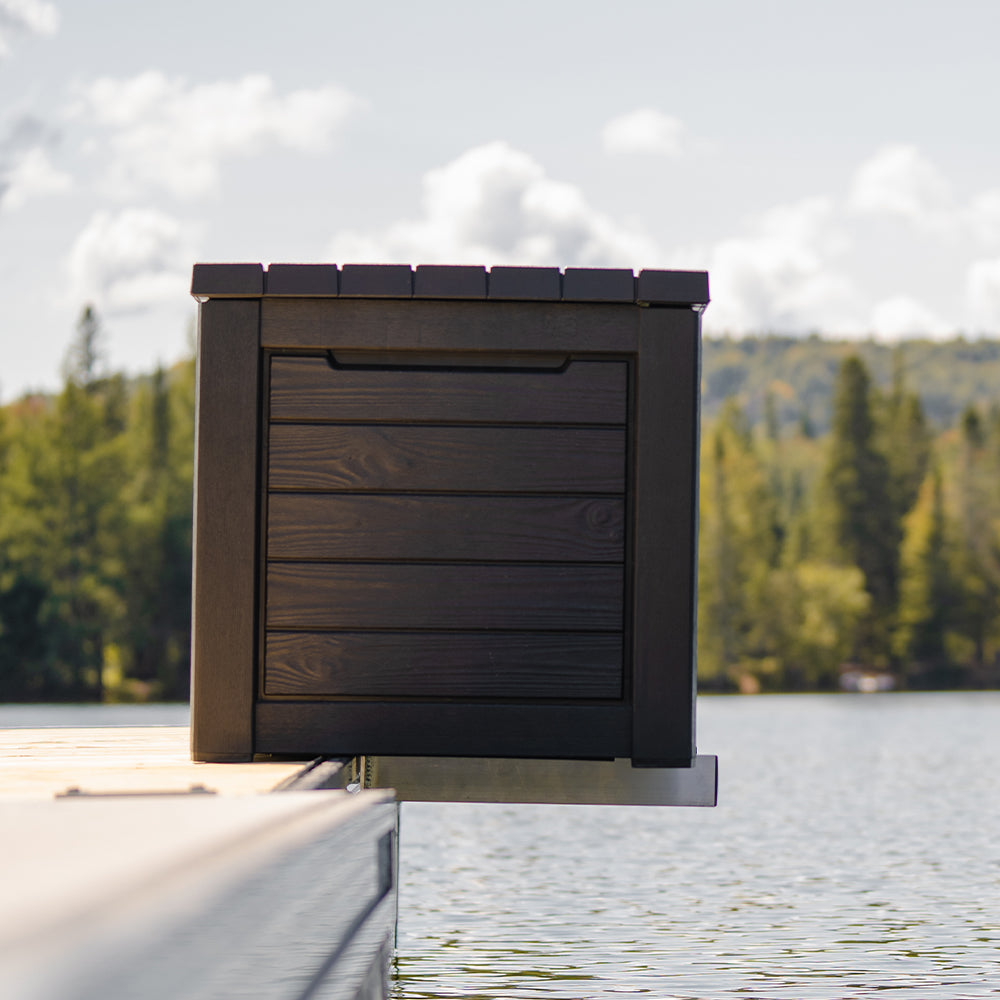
<point x="130" y="871"/>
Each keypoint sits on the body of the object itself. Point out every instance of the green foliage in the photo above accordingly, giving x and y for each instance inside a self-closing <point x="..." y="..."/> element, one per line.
<point x="929" y="587"/>
<point x="96" y="513"/>
<point x="865" y="518"/>
<point x="876" y="544"/>
<point x="155" y="635"/>
<point x="977" y="551"/>
<point x="739" y="546"/>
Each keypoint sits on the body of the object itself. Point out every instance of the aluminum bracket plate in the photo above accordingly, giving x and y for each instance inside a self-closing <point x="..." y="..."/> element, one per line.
<point x="584" y="782"/>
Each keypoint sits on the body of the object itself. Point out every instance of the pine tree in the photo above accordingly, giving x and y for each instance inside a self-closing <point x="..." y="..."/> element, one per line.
<point x="156" y="638"/>
<point x="978" y="560"/>
<point x="85" y="355"/>
<point x="906" y="439"/>
<point x="738" y="548"/>
<point x="865" y="524"/>
<point x="928" y="590"/>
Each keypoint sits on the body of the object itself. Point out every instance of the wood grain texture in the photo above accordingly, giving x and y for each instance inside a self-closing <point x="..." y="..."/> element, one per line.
<point x="321" y="457"/>
<point x="587" y="392"/>
<point x="225" y="532"/>
<point x="485" y="529"/>
<point x="666" y="539"/>
<point x="444" y="729"/>
<point x="425" y="325"/>
<point x="444" y="664"/>
<point x="317" y="596"/>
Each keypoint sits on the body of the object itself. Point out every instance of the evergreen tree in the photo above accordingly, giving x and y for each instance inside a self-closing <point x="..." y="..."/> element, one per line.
<point x="739" y="546"/>
<point x="928" y="590"/>
<point x="85" y="355"/>
<point x="906" y="440"/>
<point x="978" y="560"/>
<point x="156" y="637"/>
<point x="865" y="525"/>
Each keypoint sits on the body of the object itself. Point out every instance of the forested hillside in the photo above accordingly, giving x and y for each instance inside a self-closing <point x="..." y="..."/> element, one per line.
<point x="850" y="514"/>
<point x="791" y="381"/>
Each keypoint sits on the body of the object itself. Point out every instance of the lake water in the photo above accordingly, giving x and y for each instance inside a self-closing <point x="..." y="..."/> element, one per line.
<point x="855" y="853"/>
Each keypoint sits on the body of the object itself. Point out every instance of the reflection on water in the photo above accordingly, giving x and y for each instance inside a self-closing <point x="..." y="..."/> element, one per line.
<point x="855" y="852"/>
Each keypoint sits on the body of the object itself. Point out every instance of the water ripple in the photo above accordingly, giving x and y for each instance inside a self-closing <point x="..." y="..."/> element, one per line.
<point x="854" y="853"/>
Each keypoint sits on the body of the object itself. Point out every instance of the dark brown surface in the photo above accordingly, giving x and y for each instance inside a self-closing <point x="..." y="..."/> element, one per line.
<point x="227" y="280"/>
<point x="680" y="288"/>
<point x="418" y="595"/>
<point x="225" y="532"/>
<point x="308" y="389"/>
<point x="421" y="325"/>
<point x="666" y="515"/>
<point x="444" y="729"/>
<point x="441" y="281"/>
<point x="302" y="279"/>
<point x="320" y="457"/>
<point x="444" y="664"/>
<point x="411" y="527"/>
<point x="591" y="284"/>
<point x="525" y="283"/>
<point x="582" y="284"/>
<point x="377" y="280"/>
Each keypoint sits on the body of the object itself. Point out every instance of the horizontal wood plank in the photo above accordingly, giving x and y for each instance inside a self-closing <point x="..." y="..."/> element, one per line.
<point x="319" y="457"/>
<point x="337" y="526"/>
<point x="444" y="664"/>
<point x="443" y="729"/>
<point x="586" y="392"/>
<point x="386" y="596"/>
<point x="356" y="324"/>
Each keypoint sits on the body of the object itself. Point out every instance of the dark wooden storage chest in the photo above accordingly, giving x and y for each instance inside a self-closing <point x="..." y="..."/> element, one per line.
<point x="446" y="512"/>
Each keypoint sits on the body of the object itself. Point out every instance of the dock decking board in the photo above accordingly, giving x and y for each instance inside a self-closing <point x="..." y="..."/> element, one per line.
<point x="136" y="889"/>
<point x="41" y="763"/>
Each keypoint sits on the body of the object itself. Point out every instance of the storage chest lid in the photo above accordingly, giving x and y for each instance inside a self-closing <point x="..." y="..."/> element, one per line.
<point x="433" y="281"/>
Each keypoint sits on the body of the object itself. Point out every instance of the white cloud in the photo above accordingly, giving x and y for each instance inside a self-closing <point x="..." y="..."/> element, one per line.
<point x="643" y="131"/>
<point x="131" y="260"/>
<point x="496" y="205"/>
<point x="168" y="134"/>
<point x="790" y="271"/>
<point x="31" y="175"/>
<point x="982" y="296"/>
<point x="783" y="277"/>
<point x="901" y="316"/>
<point x="34" y="17"/>
<point x="984" y="217"/>
<point x="899" y="182"/>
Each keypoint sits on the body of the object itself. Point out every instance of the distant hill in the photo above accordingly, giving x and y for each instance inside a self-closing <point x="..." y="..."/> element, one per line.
<point x="800" y="373"/>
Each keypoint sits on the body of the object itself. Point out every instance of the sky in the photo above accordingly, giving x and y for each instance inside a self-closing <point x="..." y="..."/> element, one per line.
<point x="834" y="166"/>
